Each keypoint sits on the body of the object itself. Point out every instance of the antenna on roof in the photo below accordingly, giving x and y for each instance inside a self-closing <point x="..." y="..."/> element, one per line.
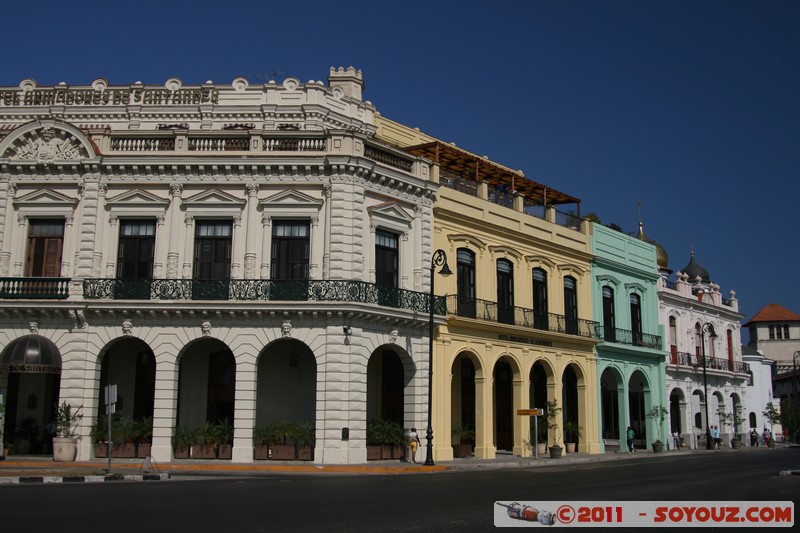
<point x="210" y="65"/>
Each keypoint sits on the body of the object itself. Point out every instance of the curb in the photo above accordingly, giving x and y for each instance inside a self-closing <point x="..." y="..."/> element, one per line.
<point x="29" y="480"/>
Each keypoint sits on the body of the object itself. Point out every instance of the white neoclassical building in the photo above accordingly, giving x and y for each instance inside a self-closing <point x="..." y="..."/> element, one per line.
<point x="700" y="323"/>
<point x="240" y="253"/>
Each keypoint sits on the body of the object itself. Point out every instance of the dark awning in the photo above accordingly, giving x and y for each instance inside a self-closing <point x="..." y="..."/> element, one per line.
<point x="32" y="354"/>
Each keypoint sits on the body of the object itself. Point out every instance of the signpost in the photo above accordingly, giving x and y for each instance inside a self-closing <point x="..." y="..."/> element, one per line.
<point x="535" y="413"/>
<point x="111" y="408"/>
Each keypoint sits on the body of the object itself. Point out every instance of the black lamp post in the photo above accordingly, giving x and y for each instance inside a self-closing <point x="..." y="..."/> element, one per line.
<point x="708" y="327"/>
<point x="795" y="356"/>
<point x="439" y="259"/>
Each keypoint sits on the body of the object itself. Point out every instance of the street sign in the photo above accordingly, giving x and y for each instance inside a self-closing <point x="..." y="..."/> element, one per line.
<point x="530" y="412"/>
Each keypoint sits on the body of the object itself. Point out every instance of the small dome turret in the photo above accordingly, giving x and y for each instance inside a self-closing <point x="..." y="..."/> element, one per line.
<point x="694" y="269"/>
<point x="662" y="259"/>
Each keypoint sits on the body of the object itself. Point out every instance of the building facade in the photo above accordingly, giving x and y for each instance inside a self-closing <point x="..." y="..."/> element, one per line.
<point x="232" y="254"/>
<point x="631" y="359"/>
<point x="706" y="376"/>
<point x="519" y="329"/>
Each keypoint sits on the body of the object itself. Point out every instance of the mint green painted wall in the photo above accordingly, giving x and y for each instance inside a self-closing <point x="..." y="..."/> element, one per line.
<point x="628" y="265"/>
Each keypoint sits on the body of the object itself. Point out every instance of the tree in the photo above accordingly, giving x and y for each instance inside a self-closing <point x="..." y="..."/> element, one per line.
<point x="658" y="414"/>
<point x="552" y="412"/>
<point x="772" y="415"/>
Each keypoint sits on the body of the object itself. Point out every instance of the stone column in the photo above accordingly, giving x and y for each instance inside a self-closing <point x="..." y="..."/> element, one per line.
<point x="19" y="254"/>
<point x="173" y="255"/>
<point x="244" y="418"/>
<point x="188" y="243"/>
<point x="236" y="249"/>
<point x="484" y="418"/>
<point x="158" y="264"/>
<point x="251" y="230"/>
<point x="266" y="242"/>
<point x="165" y="406"/>
<point x="67" y="245"/>
<point x="99" y="244"/>
<point x="112" y="247"/>
<point x="7" y="228"/>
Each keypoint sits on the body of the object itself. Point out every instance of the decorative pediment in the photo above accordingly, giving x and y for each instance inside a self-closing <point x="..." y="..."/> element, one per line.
<point x="46" y="142"/>
<point x="505" y="251"/>
<point x="540" y="261"/>
<point x="137" y="202"/>
<point x="391" y="216"/>
<point x="213" y="203"/>
<point x="45" y="202"/>
<point x="291" y="203"/>
<point x="213" y="199"/>
<point x="569" y="268"/>
<point x="466" y="240"/>
<point x="606" y="279"/>
<point x="636" y="287"/>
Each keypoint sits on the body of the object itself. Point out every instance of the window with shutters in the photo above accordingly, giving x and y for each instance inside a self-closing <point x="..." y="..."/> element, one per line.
<point x="137" y="240"/>
<point x="212" y="249"/>
<point x="386" y="259"/>
<point x="290" y="250"/>
<point x="45" y="244"/>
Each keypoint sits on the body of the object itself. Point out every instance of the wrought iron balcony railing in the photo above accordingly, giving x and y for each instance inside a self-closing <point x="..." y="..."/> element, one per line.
<point x="712" y="363"/>
<point x="261" y="289"/>
<point x="625" y="336"/>
<point x="34" y="288"/>
<point x="519" y="316"/>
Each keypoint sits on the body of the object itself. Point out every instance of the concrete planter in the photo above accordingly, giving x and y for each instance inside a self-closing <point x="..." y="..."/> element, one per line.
<point x="64" y="449"/>
<point x="555" y="452"/>
<point x="570" y="447"/>
<point x="658" y="447"/>
<point x="261" y="452"/>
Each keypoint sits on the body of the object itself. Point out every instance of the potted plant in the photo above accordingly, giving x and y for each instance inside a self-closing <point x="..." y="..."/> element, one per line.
<point x="122" y="429"/>
<point x="204" y="443"/>
<point x="304" y="440"/>
<point x="182" y="440"/>
<point x="552" y="412"/>
<point x="264" y="437"/>
<point x="734" y="421"/>
<point x="398" y="439"/>
<point x="376" y="430"/>
<point x="284" y="449"/>
<point x="223" y="433"/>
<point x="143" y="436"/>
<point x="99" y="434"/>
<point x="658" y="414"/>
<point x="572" y="432"/>
<point x="463" y="436"/>
<point x="65" y="444"/>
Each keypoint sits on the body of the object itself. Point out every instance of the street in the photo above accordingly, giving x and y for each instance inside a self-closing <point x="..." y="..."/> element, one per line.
<point x="448" y="501"/>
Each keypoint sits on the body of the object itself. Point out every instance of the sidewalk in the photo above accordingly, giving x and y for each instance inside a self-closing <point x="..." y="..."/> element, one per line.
<point x="42" y="469"/>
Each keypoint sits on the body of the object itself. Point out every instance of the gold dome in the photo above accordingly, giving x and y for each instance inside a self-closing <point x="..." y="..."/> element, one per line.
<point x="662" y="259"/>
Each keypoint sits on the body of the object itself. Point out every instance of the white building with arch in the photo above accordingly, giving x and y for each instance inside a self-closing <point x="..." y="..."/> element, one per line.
<point x="222" y="253"/>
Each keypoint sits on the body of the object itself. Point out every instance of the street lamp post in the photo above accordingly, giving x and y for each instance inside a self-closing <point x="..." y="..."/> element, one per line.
<point x="708" y="327"/>
<point x="439" y="259"/>
<point x="795" y="356"/>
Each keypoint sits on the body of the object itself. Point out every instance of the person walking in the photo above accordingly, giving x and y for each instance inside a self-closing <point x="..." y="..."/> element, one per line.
<point x="676" y="440"/>
<point x="413" y="443"/>
<point x="717" y="439"/>
<point x="630" y="434"/>
<point x="753" y="438"/>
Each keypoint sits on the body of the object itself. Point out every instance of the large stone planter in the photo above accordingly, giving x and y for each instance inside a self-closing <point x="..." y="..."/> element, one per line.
<point x="555" y="452"/>
<point x="570" y="447"/>
<point x="658" y="447"/>
<point x="542" y="448"/>
<point x="65" y="449"/>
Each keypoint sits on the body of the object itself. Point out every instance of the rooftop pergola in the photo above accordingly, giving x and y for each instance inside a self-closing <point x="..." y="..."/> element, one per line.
<point x="481" y="169"/>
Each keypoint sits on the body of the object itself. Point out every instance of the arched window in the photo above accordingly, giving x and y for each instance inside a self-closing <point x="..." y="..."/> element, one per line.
<point x="636" y="319"/>
<point x="730" y="348"/>
<point x="673" y="339"/>
<point x="465" y="280"/>
<point x="540" y="317"/>
<point x="505" y="291"/>
<point x="698" y="339"/>
<point x="609" y="325"/>
<point x="571" y="305"/>
<point x="753" y="420"/>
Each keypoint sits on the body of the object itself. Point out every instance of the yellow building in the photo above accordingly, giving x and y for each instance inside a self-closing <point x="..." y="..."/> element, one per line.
<point x="517" y="333"/>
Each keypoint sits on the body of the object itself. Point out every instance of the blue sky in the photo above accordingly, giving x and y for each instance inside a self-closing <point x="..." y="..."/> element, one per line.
<point x="689" y="106"/>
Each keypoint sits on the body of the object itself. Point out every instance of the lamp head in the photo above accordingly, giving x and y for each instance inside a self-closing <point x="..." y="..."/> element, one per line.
<point x="347" y="330"/>
<point x="445" y="271"/>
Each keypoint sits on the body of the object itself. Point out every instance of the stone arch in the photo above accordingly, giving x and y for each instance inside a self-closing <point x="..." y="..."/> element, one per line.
<point x="639" y="404"/>
<point x="505" y="381"/>
<point x="286" y="383"/>
<point x="612" y="402"/>
<point x="465" y="375"/>
<point x="390" y="371"/>
<point x="206" y="382"/>
<point x="47" y="140"/>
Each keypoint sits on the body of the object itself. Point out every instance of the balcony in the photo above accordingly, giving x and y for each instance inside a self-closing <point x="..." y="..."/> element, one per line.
<point x="624" y="336"/>
<point x="519" y="316"/>
<point x="34" y="288"/>
<point x="261" y="290"/>
<point x="685" y="359"/>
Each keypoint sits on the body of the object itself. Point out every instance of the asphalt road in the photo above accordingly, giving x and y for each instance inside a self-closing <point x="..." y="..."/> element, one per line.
<point x="448" y="501"/>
